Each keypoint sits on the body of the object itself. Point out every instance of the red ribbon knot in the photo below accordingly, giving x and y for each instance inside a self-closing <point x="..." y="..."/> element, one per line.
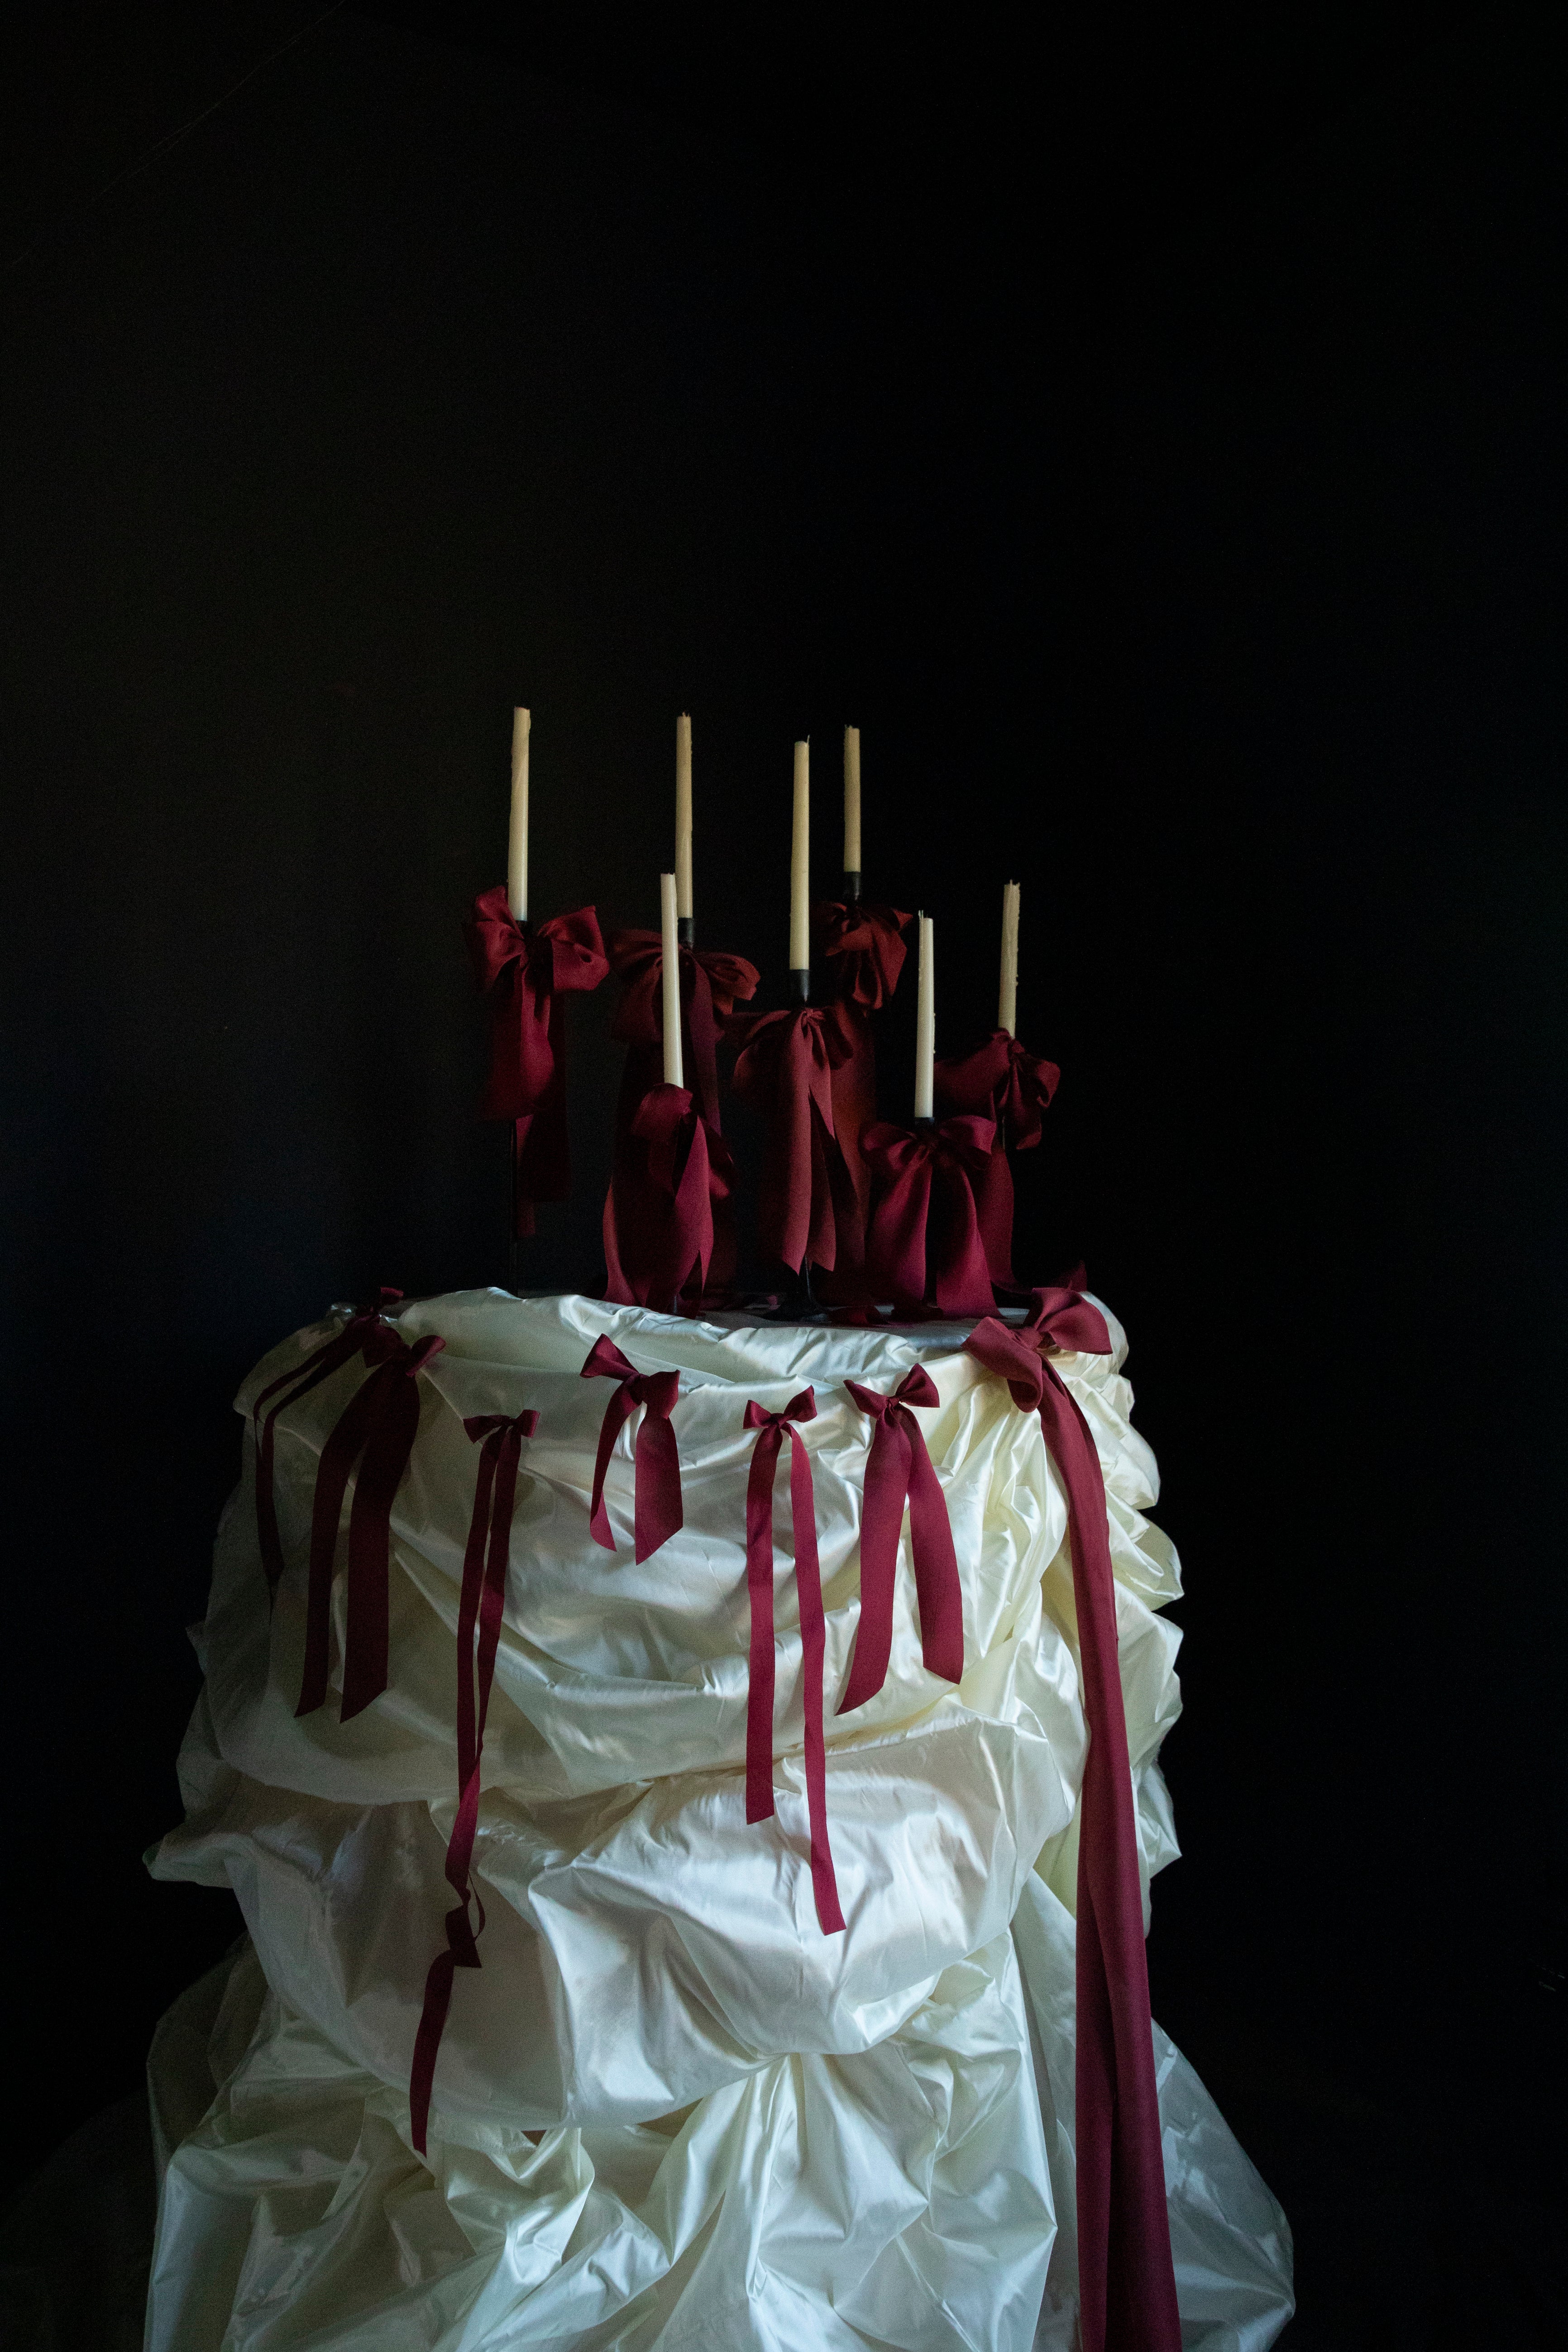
<point x="773" y="1428"/>
<point x="657" y="1511"/>
<point x="1127" y="2283"/>
<point x="898" y="1469"/>
<point x="376" y="1429"/>
<point x="863" y="943"/>
<point x="341" y="1349"/>
<point x="784" y="1070"/>
<point x="924" y="1239"/>
<point x="525" y="970"/>
<point x="483" y="1603"/>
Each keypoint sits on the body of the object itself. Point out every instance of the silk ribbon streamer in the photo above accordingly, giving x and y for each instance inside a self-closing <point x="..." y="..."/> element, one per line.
<point x="898" y="1469"/>
<point x="1000" y="1080"/>
<point x="659" y="1213"/>
<point x="483" y="1605"/>
<point x="924" y="1241"/>
<point x="376" y="1429"/>
<point x="862" y="948"/>
<point x="773" y="1428"/>
<point x="657" y="1511"/>
<point x="1126" y="2282"/>
<point x="525" y="970"/>
<point x="784" y="1070"/>
<point x="343" y="1345"/>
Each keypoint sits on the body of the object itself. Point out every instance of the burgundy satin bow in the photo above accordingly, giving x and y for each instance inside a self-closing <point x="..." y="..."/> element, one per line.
<point x="862" y="943"/>
<point x="483" y="1603"/>
<point x="656" y="1510"/>
<point x="924" y="1239"/>
<point x="898" y="1469"/>
<point x="1001" y="1080"/>
<point x="525" y="973"/>
<point x="784" y="1070"/>
<point x="376" y="1429"/>
<point x="341" y="1349"/>
<point x="1126" y="2281"/>
<point x="659" y="1211"/>
<point x="773" y="1428"/>
<point x="711" y="983"/>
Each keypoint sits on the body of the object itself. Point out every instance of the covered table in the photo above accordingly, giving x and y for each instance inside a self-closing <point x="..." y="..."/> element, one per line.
<point x="669" y="2109"/>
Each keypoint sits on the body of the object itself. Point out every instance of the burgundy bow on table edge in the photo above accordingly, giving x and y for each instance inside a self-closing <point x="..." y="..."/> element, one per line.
<point x="1127" y="2284"/>
<point x="656" y="1509"/>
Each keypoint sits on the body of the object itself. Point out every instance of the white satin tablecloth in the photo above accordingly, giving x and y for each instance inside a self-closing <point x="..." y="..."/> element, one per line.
<point x="669" y="2110"/>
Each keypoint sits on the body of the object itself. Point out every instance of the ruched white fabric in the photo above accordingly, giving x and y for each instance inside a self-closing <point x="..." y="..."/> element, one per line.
<point x="669" y="2110"/>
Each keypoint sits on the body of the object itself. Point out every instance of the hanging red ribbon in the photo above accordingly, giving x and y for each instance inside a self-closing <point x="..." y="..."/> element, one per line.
<point x="1126" y="2281"/>
<point x="899" y="1470"/>
<point x="711" y="984"/>
<point x="784" y="1070"/>
<point x="376" y="1429"/>
<point x="773" y="1428"/>
<point x="999" y="1080"/>
<point x="861" y="946"/>
<point x="657" y="1511"/>
<point x="924" y="1244"/>
<point x="659" y="1220"/>
<point x="525" y="971"/>
<point x="482" y="1604"/>
<point x="343" y="1345"/>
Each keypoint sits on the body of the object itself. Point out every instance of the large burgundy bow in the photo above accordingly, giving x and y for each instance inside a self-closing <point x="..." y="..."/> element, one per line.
<point x="376" y="1429"/>
<point x="658" y="1214"/>
<point x="898" y="1469"/>
<point x="924" y="1239"/>
<point x="711" y="984"/>
<point x="1001" y="1081"/>
<point x="785" y="1069"/>
<point x="1126" y="2282"/>
<point x="862" y="943"/>
<point x="483" y="1603"/>
<point x="773" y="1428"/>
<point x="657" y="1511"/>
<point x="525" y="973"/>
<point x="341" y="1349"/>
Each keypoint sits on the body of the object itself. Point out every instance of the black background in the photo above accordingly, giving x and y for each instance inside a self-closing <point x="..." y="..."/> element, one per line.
<point x="1153" y="436"/>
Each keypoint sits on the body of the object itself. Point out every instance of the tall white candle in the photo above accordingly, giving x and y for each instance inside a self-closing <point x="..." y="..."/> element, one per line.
<point x="800" y="864"/>
<point x="1008" y="998"/>
<point x="672" y="1064"/>
<point x="925" y="1024"/>
<point x="683" y="902"/>
<point x="517" y="836"/>
<point x="852" y="800"/>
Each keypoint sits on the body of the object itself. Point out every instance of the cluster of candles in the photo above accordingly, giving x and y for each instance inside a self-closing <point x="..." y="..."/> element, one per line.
<point x="677" y="905"/>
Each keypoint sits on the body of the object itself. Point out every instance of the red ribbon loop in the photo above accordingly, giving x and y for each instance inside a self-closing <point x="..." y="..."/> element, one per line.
<point x="483" y="1603"/>
<point x="1001" y="1080"/>
<point x="898" y="1469"/>
<point x="656" y="1510"/>
<point x="773" y="1428"/>
<point x="862" y="943"/>
<point x="711" y="983"/>
<point x="525" y="971"/>
<point x="341" y="1349"/>
<point x="924" y="1239"/>
<point x="784" y="1070"/>
<point x="1127" y="2283"/>
<point x="376" y="1429"/>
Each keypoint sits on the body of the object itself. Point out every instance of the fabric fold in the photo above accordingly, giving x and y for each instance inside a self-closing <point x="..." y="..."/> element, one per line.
<point x="771" y="1430"/>
<point x="482" y="1606"/>
<point x="376" y="1430"/>
<point x="656" y="1509"/>
<point x="1127" y="2281"/>
<point x="525" y="970"/>
<point x="897" y="1471"/>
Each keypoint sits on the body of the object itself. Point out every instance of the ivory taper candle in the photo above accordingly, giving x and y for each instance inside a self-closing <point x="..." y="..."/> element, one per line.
<point x="925" y="1024"/>
<point x="1007" y="998"/>
<point x="852" y="800"/>
<point x="673" y="1076"/>
<point x="683" y="906"/>
<point x="517" y="836"/>
<point x="800" y="864"/>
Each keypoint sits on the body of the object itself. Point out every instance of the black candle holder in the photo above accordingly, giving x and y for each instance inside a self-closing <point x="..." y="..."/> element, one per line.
<point x="852" y="885"/>
<point x="686" y="930"/>
<point x="800" y="985"/>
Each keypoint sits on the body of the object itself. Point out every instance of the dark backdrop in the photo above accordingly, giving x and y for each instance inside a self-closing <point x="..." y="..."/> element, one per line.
<point x="1154" y="442"/>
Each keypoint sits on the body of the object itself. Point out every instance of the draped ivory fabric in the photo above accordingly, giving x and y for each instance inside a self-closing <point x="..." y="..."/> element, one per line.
<point x="669" y="2110"/>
